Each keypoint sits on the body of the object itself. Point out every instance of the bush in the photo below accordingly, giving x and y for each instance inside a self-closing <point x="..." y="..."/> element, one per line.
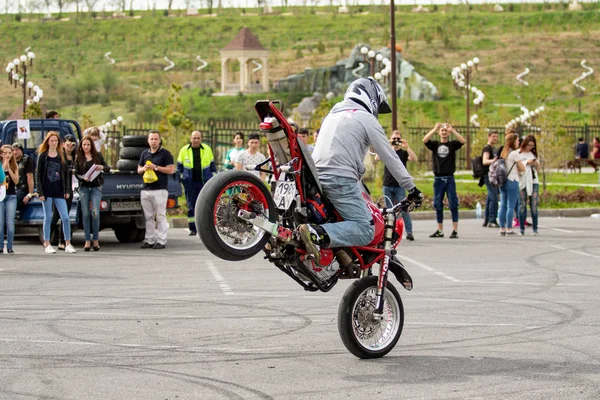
<point x="427" y="37"/>
<point x="299" y="54"/>
<point x="320" y="47"/>
<point x="104" y="100"/>
<point x="18" y="17"/>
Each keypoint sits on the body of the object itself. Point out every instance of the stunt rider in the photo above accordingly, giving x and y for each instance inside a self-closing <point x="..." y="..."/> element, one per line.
<point x="344" y="139"/>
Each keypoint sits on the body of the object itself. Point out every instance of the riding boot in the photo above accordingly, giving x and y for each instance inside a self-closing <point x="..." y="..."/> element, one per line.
<point x="313" y="237"/>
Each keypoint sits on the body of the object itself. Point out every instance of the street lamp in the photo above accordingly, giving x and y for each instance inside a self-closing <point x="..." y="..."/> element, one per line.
<point x="19" y="78"/>
<point x="461" y="76"/>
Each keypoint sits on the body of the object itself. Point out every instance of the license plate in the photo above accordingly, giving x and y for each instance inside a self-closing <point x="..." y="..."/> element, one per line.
<point x="285" y="193"/>
<point x="126" y="205"/>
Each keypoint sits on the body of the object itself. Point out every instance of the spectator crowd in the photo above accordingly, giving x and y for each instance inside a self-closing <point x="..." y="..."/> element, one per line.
<point x="64" y="167"/>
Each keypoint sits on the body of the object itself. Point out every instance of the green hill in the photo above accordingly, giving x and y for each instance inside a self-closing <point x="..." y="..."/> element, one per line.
<point x="77" y="79"/>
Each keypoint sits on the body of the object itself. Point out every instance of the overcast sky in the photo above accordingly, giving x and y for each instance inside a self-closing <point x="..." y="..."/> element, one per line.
<point x="182" y="4"/>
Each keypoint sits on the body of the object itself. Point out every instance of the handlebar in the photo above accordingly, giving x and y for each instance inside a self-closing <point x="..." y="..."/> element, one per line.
<point x="403" y="206"/>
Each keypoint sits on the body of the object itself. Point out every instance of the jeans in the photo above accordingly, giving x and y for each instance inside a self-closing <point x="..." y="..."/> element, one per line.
<point x="61" y="206"/>
<point x="509" y="195"/>
<point x="154" y="202"/>
<point x="394" y="195"/>
<point x="93" y="195"/>
<point x="533" y="206"/>
<point x="8" y="210"/>
<point x="445" y="185"/>
<point x="56" y="232"/>
<point x="191" y="195"/>
<point x="357" y="228"/>
<point x="491" y="203"/>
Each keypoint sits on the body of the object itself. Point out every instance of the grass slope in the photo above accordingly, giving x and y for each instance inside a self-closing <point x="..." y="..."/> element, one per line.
<point x="544" y="37"/>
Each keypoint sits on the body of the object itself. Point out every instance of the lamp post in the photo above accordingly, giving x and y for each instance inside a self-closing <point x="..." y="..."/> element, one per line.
<point x="462" y="76"/>
<point x="12" y="69"/>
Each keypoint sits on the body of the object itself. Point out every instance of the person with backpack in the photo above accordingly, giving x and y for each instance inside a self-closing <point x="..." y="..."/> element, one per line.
<point x="504" y="173"/>
<point x="488" y="156"/>
<point x="444" y="166"/>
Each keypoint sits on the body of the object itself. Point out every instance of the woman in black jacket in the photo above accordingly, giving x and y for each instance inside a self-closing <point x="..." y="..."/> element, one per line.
<point x="69" y="146"/>
<point x="89" y="167"/>
<point x="54" y="187"/>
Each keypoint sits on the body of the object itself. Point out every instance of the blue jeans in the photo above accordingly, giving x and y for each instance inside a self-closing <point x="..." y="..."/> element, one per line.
<point x="61" y="206"/>
<point x="445" y="185"/>
<point x="93" y="195"/>
<point x="8" y="211"/>
<point x="533" y="206"/>
<point x="509" y="195"/>
<point x="191" y="195"/>
<point x="357" y="227"/>
<point x="491" y="203"/>
<point x="394" y="195"/>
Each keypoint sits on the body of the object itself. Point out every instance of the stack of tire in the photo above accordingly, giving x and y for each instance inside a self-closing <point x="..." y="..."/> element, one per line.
<point x="129" y="156"/>
<point x="132" y="148"/>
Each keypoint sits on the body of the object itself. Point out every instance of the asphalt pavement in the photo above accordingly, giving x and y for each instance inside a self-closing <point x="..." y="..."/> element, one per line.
<point x="490" y="317"/>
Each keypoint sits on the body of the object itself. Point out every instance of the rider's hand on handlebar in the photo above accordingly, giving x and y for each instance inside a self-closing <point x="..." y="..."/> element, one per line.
<point x="415" y="196"/>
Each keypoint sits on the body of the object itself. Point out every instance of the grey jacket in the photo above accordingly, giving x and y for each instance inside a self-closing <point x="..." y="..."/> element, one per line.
<point x="344" y="139"/>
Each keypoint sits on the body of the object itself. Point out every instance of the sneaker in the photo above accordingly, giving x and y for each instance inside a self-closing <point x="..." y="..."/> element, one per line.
<point x="192" y="233"/>
<point x="522" y="233"/>
<point x="502" y="233"/>
<point x="485" y="223"/>
<point x="10" y="251"/>
<point x="50" y="250"/>
<point x="147" y="245"/>
<point x="511" y="233"/>
<point x="493" y="225"/>
<point x="534" y="234"/>
<point x="454" y="235"/>
<point x="437" y="234"/>
<point x="309" y="236"/>
<point x="410" y="237"/>
<point x="70" y="249"/>
<point x="158" y="246"/>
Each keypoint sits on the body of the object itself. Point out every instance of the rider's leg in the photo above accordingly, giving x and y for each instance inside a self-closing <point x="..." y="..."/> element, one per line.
<point x="357" y="227"/>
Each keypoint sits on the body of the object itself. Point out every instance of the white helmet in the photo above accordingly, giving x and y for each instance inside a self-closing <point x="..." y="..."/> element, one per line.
<point x="368" y="93"/>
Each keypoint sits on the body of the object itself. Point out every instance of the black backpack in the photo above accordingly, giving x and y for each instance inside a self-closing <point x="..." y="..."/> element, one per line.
<point x="477" y="166"/>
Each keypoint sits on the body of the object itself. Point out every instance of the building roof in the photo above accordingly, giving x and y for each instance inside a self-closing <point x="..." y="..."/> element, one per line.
<point x="244" y="40"/>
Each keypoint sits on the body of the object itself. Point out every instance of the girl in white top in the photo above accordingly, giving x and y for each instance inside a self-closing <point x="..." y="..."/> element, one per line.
<point x="529" y="183"/>
<point x="509" y="192"/>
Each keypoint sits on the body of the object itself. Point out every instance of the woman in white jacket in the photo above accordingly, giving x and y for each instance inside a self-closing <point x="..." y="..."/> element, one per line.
<point x="529" y="183"/>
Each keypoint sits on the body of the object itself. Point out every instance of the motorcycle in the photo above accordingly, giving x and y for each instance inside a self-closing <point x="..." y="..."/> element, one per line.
<point x="238" y="215"/>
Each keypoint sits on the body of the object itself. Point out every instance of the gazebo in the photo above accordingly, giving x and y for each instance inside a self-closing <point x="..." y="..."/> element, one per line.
<point x="245" y="49"/>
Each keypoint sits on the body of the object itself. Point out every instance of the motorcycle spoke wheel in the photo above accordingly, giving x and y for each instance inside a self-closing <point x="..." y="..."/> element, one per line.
<point x="231" y="229"/>
<point x="362" y="333"/>
<point x="372" y="333"/>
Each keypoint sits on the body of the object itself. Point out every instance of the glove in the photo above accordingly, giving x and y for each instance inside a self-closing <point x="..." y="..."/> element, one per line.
<point x="415" y="196"/>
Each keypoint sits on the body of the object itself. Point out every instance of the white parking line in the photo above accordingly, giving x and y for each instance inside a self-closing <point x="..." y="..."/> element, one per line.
<point x="430" y="269"/>
<point x="581" y="253"/>
<point x="219" y="278"/>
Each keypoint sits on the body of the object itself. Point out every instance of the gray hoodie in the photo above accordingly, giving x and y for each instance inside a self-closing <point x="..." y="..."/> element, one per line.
<point x="344" y="139"/>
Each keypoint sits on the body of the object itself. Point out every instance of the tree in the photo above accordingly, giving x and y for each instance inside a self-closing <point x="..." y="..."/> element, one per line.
<point x="88" y="84"/>
<point x="90" y="5"/>
<point x="109" y="80"/>
<point x="60" y="4"/>
<point x="174" y="123"/>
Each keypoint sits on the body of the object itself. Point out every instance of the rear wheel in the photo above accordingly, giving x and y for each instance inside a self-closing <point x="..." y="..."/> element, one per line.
<point x="221" y="230"/>
<point x="129" y="233"/>
<point x="362" y="334"/>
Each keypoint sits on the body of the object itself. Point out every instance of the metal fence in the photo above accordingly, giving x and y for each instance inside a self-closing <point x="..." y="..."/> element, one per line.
<point x="219" y="135"/>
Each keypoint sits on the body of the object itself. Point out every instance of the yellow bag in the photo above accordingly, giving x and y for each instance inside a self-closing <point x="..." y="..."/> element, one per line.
<point x="149" y="176"/>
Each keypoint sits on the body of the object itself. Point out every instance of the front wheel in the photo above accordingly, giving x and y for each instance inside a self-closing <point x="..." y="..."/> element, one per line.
<point x="362" y="334"/>
<point x="224" y="234"/>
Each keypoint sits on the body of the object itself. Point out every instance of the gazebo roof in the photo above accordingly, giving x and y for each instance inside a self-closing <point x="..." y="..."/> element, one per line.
<point x="244" y="40"/>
